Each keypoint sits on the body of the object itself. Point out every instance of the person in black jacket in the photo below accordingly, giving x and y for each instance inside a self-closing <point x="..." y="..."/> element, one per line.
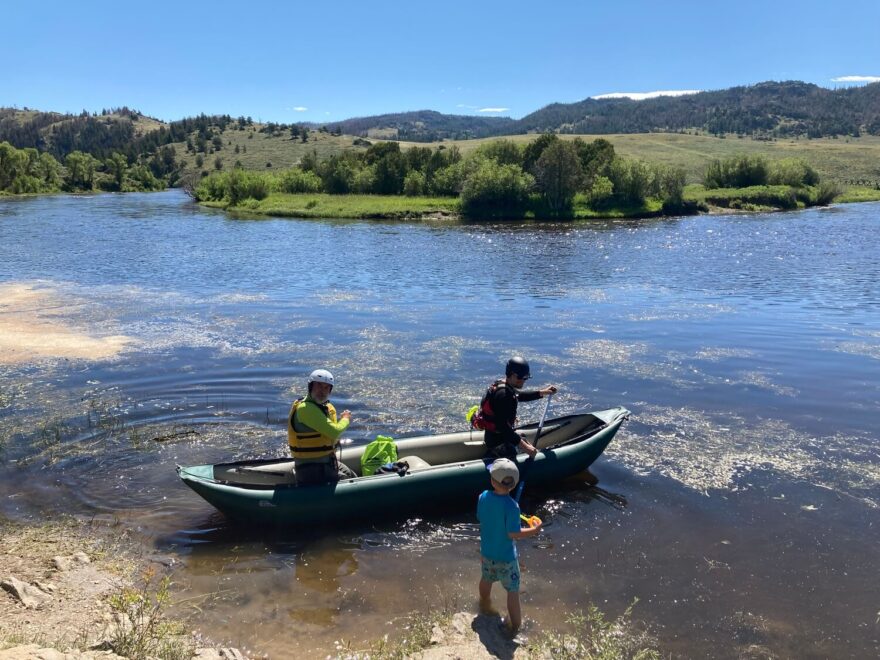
<point x="497" y="412"/>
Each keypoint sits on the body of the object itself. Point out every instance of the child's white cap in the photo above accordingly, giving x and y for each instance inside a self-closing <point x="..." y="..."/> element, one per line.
<point x="504" y="471"/>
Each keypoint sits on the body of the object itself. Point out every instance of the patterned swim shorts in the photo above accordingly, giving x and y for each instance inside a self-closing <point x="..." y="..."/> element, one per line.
<point x="505" y="572"/>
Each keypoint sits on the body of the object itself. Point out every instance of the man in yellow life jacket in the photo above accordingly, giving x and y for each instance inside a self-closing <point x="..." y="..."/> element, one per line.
<point x="313" y="433"/>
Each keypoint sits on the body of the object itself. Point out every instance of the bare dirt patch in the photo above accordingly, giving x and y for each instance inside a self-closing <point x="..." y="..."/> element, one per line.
<point x="35" y="324"/>
<point x="75" y="574"/>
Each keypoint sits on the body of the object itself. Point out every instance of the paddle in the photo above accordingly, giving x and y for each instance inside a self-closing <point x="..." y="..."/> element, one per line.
<point x="531" y="459"/>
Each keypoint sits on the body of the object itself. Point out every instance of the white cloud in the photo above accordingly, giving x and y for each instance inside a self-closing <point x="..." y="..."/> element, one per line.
<point x="865" y="79"/>
<point x="465" y="105"/>
<point x="300" y="108"/>
<point x="641" y="96"/>
<point x="493" y="109"/>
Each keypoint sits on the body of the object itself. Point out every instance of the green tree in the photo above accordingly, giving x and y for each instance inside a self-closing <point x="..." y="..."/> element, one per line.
<point x="414" y="184"/>
<point x="47" y="170"/>
<point x="390" y="167"/>
<point x="633" y="180"/>
<point x="558" y="174"/>
<point x="737" y="172"/>
<point x="80" y="171"/>
<point x="504" y="152"/>
<point x="13" y="163"/>
<point x="534" y="149"/>
<point x="295" y="180"/>
<point x="792" y="172"/>
<point x="337" y="174"/>
<point x="596" y="158"/>
<point x="117" y="165"/>
<point x="143" y="179"/>
<point x="493" y="190"/>
<point x="364" y="181"/>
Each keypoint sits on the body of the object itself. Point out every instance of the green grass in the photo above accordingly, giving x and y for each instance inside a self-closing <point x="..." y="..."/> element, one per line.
<point x="322" y="205"/>
<point x="859" y="194"/>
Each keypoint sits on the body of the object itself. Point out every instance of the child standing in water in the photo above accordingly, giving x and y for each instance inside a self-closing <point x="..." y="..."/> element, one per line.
<point x="499" y="518"/>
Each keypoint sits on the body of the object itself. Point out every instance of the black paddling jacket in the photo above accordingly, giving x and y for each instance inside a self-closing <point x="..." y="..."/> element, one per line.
<point x="502" y="399"/>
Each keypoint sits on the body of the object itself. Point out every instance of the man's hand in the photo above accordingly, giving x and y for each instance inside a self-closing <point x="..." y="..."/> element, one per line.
<point x="547" y="391"/>
<point x="346" y="414"/>
<point x="527" y="448"/>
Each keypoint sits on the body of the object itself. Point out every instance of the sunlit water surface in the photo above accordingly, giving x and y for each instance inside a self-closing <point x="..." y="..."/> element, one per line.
<point x="739" y="504"/>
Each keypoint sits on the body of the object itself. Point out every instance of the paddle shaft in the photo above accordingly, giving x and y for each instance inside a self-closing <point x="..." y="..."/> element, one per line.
<point x="531" y="459"/>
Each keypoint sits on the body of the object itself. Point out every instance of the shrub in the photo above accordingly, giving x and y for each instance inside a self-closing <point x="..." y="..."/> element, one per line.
<point x="295" y="180"/>
<point x="243" y="185"/>
<point x="233" y="187"/>
<point x="633" y="180"/>
<point x="602" y="188"/>
<point x="558" y="173"/>
<point x="364" y="180"/>
<point x="737" y="172"/>
<point x="25" y="184"/>
<point x="504" y="152"/>
<point x="782" y="197"/>
<point x="594" y="637"/>
<point x="449" y="180"/>
<point x="494" y="190"/>
<point x="142" y="629"/>
<point x="826" y="193"/>
<point x="792" y="172"/>
<point x="414" y="184"/>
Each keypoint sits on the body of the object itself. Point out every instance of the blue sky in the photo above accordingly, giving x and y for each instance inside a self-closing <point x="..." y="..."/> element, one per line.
<point x="326" y="61"/>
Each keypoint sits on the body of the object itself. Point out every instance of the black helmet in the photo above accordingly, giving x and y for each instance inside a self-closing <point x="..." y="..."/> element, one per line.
<point x="517" y="365"/>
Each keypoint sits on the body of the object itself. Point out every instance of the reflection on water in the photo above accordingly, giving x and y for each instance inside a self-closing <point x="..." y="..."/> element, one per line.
<point x="741" y="496"/>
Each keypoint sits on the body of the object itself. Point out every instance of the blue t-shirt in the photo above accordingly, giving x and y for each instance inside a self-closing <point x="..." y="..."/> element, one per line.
<point x="498" y="516"/>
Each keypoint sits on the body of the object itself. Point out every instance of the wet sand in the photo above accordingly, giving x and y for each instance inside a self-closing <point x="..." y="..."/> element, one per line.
<point x="33" y="326"/>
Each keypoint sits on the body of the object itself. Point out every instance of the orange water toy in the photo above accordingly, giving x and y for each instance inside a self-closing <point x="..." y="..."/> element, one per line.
<point x="531" y="521"/>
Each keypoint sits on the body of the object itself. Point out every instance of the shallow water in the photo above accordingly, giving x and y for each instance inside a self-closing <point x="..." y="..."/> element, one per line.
<point x="739" y="504"/>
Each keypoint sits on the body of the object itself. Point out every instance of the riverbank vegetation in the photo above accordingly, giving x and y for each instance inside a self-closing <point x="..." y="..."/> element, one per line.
<point x="546" y="178"/>
<point x="27" y="171"/>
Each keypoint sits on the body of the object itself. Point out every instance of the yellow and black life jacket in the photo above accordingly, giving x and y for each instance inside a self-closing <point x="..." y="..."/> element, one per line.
<point x="304" y="441"/>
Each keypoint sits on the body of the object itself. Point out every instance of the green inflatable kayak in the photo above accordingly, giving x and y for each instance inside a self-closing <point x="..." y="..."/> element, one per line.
<point x="444" y="471"/>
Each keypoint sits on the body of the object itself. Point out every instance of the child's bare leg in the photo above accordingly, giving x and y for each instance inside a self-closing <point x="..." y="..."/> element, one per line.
<point x="486" y="598"/>
<point x="513" y="610"/>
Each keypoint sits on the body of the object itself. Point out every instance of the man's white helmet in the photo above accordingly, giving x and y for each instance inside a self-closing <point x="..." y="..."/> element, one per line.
<point x="321" y="376"/>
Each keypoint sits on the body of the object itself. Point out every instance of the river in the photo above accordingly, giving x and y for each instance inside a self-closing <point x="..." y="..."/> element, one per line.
<point x="739" y="504"/>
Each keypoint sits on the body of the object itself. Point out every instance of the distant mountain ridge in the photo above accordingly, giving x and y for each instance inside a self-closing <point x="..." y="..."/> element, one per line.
<point x="424" y="126"/>
<point x="768" y="109"/>
<point x="773" y="109"/>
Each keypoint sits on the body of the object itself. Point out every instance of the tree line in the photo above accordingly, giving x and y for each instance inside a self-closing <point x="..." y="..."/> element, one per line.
<point x="499" y="179"/>
<point x="24" y="171"/>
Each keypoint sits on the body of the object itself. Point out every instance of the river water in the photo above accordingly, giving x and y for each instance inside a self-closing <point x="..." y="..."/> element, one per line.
<point x="740" y="503"/>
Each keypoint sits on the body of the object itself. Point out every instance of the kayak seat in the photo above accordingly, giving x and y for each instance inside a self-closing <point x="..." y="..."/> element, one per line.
<point x="415" y="462"/>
